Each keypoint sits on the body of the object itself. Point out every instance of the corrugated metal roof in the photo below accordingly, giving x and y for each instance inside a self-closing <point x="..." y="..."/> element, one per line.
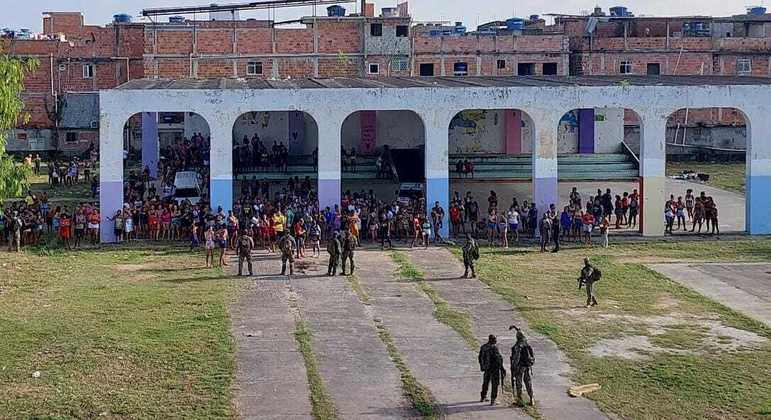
<point x="441" y="82"/>
<point x="80" y="110"/>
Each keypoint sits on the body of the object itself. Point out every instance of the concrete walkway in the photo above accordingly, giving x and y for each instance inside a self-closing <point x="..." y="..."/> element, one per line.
<point x="436" y="355"/>
<point x="491" y="314"/>
<point x="271" y="382"/>
<point x="745" y="288"/>
<point x="353" y="362"/>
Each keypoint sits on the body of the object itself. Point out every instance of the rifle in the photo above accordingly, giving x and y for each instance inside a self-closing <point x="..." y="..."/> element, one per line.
<point x="581" y="282"/>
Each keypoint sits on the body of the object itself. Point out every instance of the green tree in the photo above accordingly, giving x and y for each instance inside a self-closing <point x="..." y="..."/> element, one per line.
<point x="14" y="177"/>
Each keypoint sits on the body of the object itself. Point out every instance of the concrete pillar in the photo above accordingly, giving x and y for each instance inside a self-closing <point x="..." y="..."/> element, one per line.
<point x="437" y="165"/>
<point x="330" y="167"/>
<point x="189" y="129"/>
<point x="545" y="181"/>
<point x="653" y="173"/>
<point x="221" y="161"/>
<point x="110" y="173"/>
<point x="586" y="131"/>
<point x="368" y="125"/>
<point x="150" y="143"/>
<point x="758" y="196"/>
<point x="513" y="124"/>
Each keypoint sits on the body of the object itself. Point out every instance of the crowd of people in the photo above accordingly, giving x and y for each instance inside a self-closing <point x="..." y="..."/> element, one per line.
<point x="24" y="222"/>
<point x="578" y="221"/>
<point x="252" y="155"/>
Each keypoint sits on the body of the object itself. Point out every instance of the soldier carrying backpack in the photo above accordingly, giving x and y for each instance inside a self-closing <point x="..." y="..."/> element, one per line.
<point x="522" y="361"/>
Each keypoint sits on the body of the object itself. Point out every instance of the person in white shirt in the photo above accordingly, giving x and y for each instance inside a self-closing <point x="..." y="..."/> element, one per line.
<point x="513" y="217"/>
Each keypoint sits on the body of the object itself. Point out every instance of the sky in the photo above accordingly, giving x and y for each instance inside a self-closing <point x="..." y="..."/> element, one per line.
<point x="28" y="14"/>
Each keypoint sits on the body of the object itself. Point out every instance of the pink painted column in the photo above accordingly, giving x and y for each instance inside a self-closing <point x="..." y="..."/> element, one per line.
<point x="368" y="122"/>
<point x="513" y="126"/>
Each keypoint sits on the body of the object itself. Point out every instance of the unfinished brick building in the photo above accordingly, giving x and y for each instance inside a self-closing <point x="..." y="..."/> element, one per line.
<point x="77" y="59"/>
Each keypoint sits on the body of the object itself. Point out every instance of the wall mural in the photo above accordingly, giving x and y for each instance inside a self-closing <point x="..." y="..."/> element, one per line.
<point x="473" y="126"/>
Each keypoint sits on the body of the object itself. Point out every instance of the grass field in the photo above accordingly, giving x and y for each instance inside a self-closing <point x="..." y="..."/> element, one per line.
<point x="688" y="372"/>
<point x="117" y="332"/>
<point x="726" y="176"/>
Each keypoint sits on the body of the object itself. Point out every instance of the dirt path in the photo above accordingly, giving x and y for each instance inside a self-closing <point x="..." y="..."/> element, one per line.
<point x="491" y="314"/>
<point x="436" y="355"/>
<point x="354" y="364"/>
<point x="271" y="381"/>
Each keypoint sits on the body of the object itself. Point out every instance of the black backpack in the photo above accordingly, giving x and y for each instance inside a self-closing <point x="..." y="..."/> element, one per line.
<point x="526" y="356"/>
<point x="484" y="357"/>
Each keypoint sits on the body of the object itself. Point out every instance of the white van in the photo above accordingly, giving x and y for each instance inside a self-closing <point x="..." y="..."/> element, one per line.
<point x="187" y="186"/>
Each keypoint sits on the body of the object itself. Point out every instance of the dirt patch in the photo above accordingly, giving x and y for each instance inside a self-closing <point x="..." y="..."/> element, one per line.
<point x="698" y="335"/>
<point x="133" y="268"/>
<point x="138" y="272"/>
<point x="666" y="302"/>
<point x="630" y="347"/>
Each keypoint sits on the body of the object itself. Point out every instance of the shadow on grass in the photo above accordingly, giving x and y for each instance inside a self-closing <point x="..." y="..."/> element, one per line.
<point x="181" y="280"/>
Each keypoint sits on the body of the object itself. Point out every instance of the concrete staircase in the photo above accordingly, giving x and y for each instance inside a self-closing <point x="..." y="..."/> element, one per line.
<point x="574" y="167"/>
<point x="302" y="166"/>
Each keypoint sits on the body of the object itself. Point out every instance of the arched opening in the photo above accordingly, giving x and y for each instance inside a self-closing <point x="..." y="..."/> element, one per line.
<point x="165" y="175"/>
<point x="706" y="154"/>
<point x="490" y="172"/>
<point x="382" y="162"/>
<point x="274" y="153"/>
<point x="598" y="170"/>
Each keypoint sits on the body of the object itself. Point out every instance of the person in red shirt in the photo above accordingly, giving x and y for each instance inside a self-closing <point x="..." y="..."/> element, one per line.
<point x="588" y="226"/>
<point x="455" y="219"/>
<point x="65" y="231"/>
<point x="152" y="224"/>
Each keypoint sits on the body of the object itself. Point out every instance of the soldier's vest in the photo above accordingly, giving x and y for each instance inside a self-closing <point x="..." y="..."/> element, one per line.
<point x="243" y="245"/>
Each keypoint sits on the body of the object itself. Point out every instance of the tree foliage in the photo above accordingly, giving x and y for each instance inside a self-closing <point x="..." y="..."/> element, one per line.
<point x="14" y="177"/>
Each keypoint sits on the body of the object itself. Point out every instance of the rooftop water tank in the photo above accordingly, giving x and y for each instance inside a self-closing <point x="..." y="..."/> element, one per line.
<point x="459" y="28"/>
<point x="121" y="18"/>
<point x="390" y="12"/>
<point x="176" y="19"/>
<point x="619" y="11"/>
<point x="515" y="24"/>
<point x="337" y="11"/>
<point x="24" y="34"/>
<point x="756" y="11"/>
<point x="534" y="18"/>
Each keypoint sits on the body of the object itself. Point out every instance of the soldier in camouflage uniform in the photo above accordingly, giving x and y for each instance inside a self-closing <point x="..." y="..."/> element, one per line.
<point x="287" y="245"/>
<point x="334" y="248"/>
<point x="245" y="247"/>
<point x="589" y="276"/>
<point x="349" y="245"/>
<point x="470" y="254"/>
<point x="522" y="361"/>
<point x="491" y="363"/>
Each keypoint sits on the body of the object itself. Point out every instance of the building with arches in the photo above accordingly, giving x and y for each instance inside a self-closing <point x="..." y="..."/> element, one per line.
<point x="436" y="101"/>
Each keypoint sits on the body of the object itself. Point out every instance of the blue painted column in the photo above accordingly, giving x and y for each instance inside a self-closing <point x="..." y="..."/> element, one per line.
<point x="330" y="186"/>
<point x="586" y="131"/>
<point x="758" y="196"/>
<point x="545" y="179"/>
<point x="150" y="143"/>
<point x="437" y="164"/>
<point x="221" y="162"/>
<point x="110" y="173"/>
